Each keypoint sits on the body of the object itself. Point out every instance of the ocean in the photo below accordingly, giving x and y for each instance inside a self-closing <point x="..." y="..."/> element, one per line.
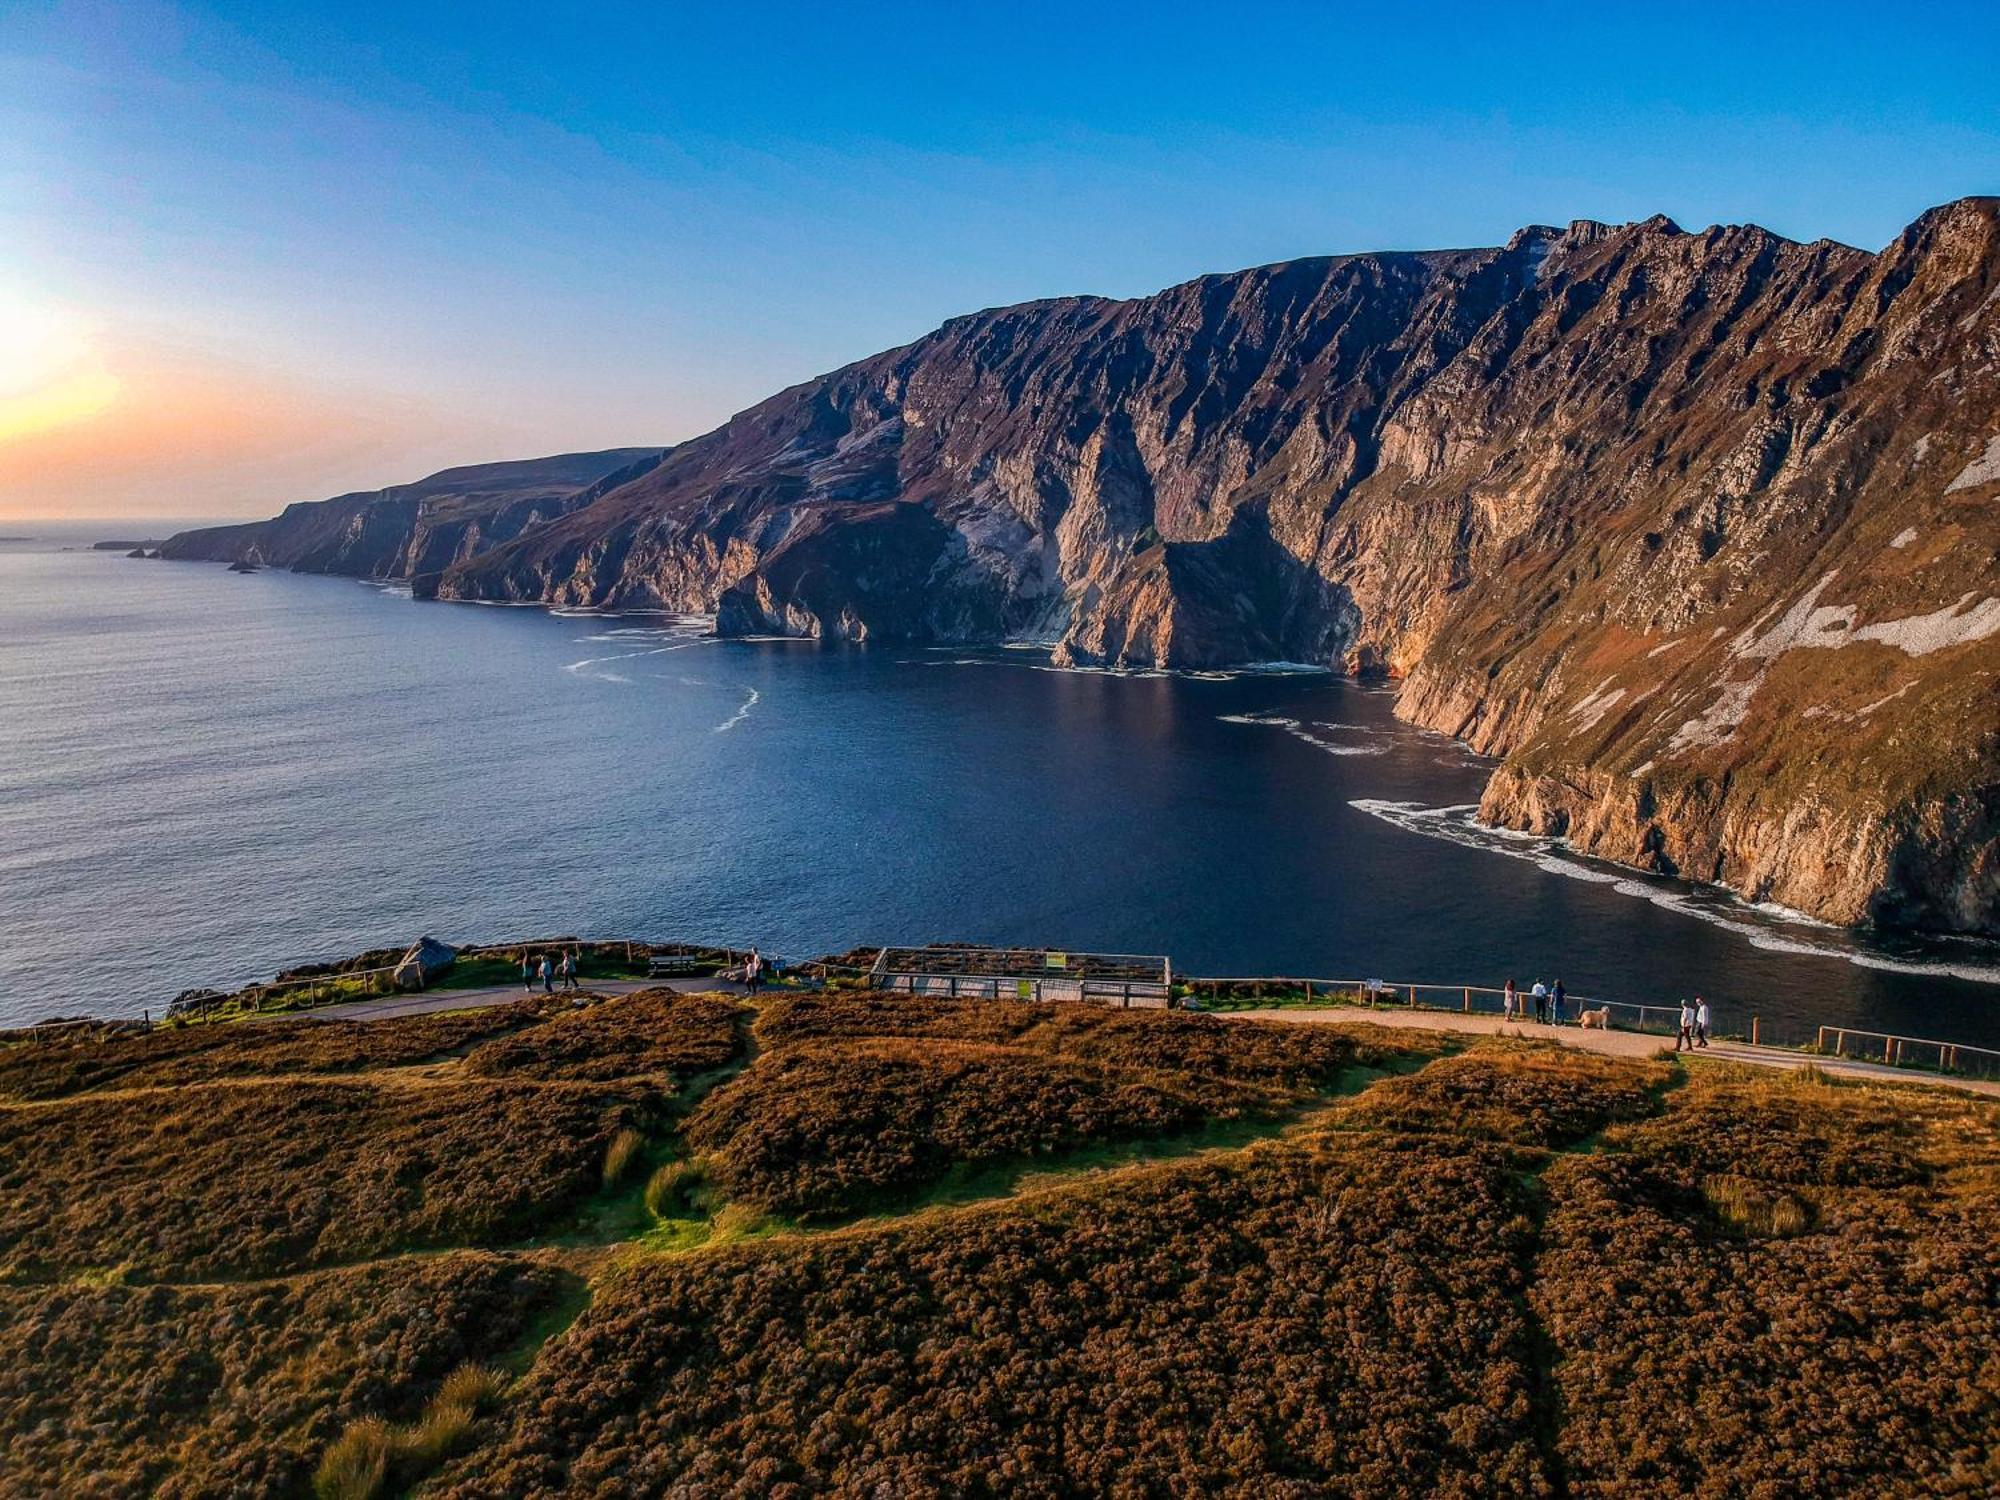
<point x="207" y="776"/>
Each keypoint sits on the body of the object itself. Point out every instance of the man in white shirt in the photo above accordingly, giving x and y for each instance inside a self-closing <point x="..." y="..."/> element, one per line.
<point x="1541" y="994"/>
<point x="1685" y="1040"/>
<point x="1700" y="1022"/>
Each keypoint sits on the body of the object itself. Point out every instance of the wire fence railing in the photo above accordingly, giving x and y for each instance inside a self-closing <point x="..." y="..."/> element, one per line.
<point x="316" y="986"/>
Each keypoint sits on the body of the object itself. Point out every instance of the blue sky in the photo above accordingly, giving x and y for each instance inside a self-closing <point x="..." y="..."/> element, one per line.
<point x="313" y="246"/>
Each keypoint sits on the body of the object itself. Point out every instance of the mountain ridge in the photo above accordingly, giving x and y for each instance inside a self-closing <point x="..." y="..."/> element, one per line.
<point x="1562" y="487"/>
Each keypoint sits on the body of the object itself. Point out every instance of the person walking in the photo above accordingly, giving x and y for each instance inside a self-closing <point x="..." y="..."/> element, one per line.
<point x="527" y="972"/>
<point x="1556" y="998"/>
<point x="1541" y="993"/>
<point x="1684" y="1041"/>
<point x="1510" y="999"/>
<point x="569" y="970"/>
<point x="753" y="970"/>
<point x="546" y="974"/>
<point x="1700" y="1022"/>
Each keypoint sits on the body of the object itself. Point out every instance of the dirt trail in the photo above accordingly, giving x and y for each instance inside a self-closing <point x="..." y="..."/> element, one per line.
<point x="1613" y="1043"/>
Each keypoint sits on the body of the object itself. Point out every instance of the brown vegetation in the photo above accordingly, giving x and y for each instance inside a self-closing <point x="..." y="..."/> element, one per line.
<point x="170" y="1055"/>
<point x="1178" y="1041"/>
<point x="238" y="1389"/>
<point x="1528" y="1095"/>
<point x="826" y="1128"/>
<point x="229" y="1179"/>
<point x="1281" y="1324"/>
<point x="653" y="1034"/>
<point x="1821" y="1321"/>
<point x="1517" y="1271"/>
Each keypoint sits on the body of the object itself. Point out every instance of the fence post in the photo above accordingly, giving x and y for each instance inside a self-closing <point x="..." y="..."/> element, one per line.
<point x="1413" y="997"/>
<point x="1467" y="1007"/>
<point x="1753" y="1031"/>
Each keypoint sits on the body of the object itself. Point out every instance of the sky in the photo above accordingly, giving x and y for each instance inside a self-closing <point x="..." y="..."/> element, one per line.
<point x="251" y="254"/>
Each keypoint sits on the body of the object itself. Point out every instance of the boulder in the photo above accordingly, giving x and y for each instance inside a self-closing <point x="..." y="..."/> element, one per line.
<point x="423" y="963"/>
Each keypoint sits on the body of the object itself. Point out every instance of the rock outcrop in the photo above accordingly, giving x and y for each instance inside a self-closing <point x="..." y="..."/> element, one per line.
<point x="1698" y="531"/>
<point x="427" y="959"/>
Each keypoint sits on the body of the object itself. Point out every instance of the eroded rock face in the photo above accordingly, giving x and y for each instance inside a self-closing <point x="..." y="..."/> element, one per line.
<point x="1698" y="531"/>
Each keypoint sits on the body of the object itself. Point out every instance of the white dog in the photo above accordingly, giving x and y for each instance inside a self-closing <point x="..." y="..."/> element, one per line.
<point x="1599" y="1018"/>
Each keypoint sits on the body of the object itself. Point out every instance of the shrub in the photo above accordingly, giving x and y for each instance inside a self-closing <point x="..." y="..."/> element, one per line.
<point x="1793" y="1132"/>
<point x="199" y="1054"/>
<point x="823" y="1129"/>
<point x="653" y="1034"/>
<point x="1188" y="1328"/>
<point x="1527" y="1095"/>
<point x="242" y="1179"/>
<point x="240" y="1388"/>
<point x="1281" y="1054"/>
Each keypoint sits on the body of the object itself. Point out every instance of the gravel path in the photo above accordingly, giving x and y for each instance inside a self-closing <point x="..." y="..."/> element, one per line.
<point x="1616" y="1043"/>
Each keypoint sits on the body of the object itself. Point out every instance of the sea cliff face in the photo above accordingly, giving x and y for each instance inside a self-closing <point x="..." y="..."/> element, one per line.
<point x="1697" y="530"/>
<point x="416" y="529"/>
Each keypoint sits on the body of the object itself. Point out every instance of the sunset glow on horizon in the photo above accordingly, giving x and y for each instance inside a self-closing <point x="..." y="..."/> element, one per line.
<point x="253" y="254"/>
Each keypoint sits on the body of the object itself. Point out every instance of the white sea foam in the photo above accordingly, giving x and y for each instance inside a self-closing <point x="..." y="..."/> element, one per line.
<point x="591" y="661"/>
<point x="1764" y="925"/>
<point x="1305" y="732"/>
<point x="741" y="714"/>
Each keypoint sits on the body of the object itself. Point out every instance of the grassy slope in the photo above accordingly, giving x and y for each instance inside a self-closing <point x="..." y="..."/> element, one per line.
<point x="1507" y="1269"/>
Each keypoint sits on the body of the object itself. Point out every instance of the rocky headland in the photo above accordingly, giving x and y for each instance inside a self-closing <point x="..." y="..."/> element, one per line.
<point x="1696" y="531"/>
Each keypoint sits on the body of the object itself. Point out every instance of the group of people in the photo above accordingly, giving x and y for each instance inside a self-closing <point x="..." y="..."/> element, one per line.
<point x="1549" y="1002"/>
<point x="1551" y="1008"/>
<point x="548" y="971"/>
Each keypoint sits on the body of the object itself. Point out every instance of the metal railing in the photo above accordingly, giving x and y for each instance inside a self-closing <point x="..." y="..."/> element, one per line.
<point x="1467" y="999"/>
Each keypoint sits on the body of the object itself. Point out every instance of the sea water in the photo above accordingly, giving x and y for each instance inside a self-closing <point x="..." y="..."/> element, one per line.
<point x="205" y="776"/>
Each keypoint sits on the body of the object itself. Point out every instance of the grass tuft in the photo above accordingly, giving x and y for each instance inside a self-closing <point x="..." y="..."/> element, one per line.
<point x="1756" y="1209"/>
<point x="670" y="1191"/>
<point x="474" y="1387"/>
<point x="357" y="1464"/>
<point x="620" y="1154"/>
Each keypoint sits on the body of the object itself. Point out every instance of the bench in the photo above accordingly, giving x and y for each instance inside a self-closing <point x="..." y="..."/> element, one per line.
<point x="661" y="965"/>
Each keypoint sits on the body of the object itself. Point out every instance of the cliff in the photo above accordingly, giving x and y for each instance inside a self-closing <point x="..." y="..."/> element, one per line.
<point x="1696" y="530"/>
<point x="413" y="529"/>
